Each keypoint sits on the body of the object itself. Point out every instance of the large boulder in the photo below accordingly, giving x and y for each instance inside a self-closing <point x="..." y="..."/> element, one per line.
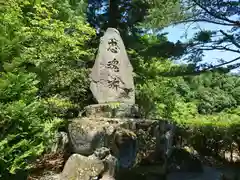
<point x="99" y="166"/>
<point x="80" y="167"/>
<point x="86" y="136"/>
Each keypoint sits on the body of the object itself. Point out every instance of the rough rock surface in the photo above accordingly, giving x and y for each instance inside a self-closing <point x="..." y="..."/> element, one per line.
<point x="85" y="136"/>
<point x="50" y="176"/>
<point x="132" y="141"/>
<point x="112" y="110"/>
<point x="80" y="167"/>
<point x="60" y="142"/>
<point x="100" y="166"/>
<point x="112" y="74"/>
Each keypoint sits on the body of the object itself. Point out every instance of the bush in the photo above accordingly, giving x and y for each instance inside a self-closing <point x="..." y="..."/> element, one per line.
<point x="43" y="68"/>
<point x="25" y="125"/>
<point x="210" y="135"/>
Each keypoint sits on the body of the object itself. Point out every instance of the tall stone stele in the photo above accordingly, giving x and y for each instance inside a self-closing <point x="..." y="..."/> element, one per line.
<point x="112" y="73"/>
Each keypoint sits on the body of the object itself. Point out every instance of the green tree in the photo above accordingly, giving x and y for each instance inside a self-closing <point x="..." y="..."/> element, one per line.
<point x="126" y="16"/>
<point x="218" y="12"/>
<point x="212" y="92"/>
<point x="44" y="65"/>
<point x="55" y="45"/>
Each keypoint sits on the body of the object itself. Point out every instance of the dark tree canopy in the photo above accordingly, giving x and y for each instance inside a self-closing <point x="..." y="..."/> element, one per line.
<point x="128" y="17"/>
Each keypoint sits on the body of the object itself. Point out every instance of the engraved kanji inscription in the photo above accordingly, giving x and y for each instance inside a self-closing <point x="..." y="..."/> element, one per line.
<point x="113" y="45"/>
<point x="114" y="64"/>
<point x="114" y="83"/>
<point x="111" y="77"/>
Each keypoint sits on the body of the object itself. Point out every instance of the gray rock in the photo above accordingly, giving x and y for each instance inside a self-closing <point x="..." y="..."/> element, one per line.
<point x="85" y="136"/>
<point x="110" y="163"/>
<point x="114" y="110"/>
<point x="80" y="167"/>
<point x="50" y="176"/>
<point x="101" y="153"/>
<point x="164" y="136"/>
<point x="60" y="142"/>
<point x="127" y="152"/>
<point x="112" y="76"/>
<point x="130" y="140"/>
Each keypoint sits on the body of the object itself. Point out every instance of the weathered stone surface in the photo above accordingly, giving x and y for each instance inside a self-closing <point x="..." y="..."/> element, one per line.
<point x="110" y="163"/>
<point x="50" y="176"/>
<point x="86" y="136"/>
<point x="100" y="166"/>
<point x="112" y="110"/>
<point x="112" y="76"/>
<point x="101" y="153"/>
<point x="125" y="149"/>
<point x="60" y="142"/>
<point x="80" y="167"/>
<point x="131" y="141"/>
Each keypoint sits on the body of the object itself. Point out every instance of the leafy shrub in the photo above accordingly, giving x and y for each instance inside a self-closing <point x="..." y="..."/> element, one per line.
<point x="43" y="68"/>
<point x="51" y="41"/>
<point x="210" y="135"/>
<point x="25" y="124"/>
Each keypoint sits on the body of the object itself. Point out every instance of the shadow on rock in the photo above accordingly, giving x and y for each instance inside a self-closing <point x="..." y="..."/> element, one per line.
<point x="183" y="161"/>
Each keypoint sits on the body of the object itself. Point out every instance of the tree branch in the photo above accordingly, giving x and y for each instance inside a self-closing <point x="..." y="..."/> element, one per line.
<point x="216" y="15"/>
<point x="231" y="38"/>
<point x="222" y="64"/>
<point x="222" y="48"/>
<point x="204" y="46"/>
<point x="205" y="20"/>
<point x="194" y="73"/>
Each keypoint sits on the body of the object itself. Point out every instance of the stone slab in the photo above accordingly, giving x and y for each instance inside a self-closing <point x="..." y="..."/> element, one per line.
<point x="112" y="74"/>
<point x="112" y="110"/>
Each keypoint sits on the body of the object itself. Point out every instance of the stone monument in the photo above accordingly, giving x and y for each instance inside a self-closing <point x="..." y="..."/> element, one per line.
<point x="111" y="137"/>
<point x="112" y="73"/>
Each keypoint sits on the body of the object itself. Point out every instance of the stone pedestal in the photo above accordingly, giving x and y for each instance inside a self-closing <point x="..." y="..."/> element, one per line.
<point x="112" y="110"/>
<point x="135" y="143"/>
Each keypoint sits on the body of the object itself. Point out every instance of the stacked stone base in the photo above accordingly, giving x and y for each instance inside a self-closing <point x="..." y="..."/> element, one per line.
<point x="110" y="139"/>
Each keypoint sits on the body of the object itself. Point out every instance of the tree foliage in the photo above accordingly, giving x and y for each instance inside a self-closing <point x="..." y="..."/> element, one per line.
<point x="226" y="38"/>
<point x="43" y="62"/>
<point x="205" y="108"/>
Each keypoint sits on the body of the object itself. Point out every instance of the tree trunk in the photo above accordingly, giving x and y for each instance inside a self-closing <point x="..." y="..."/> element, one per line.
<point x="113" y="14"/>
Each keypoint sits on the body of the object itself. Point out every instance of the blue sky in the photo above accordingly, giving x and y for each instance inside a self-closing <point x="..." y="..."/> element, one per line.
<point x="178" y="33"/>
